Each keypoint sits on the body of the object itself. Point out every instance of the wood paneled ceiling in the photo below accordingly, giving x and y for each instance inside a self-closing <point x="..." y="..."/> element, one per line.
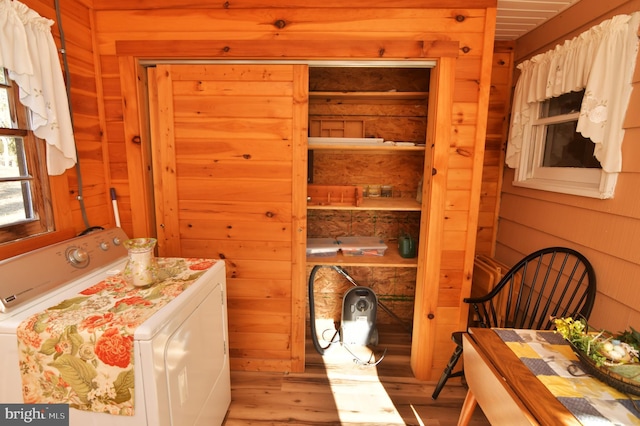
<point x="517" y="17"/>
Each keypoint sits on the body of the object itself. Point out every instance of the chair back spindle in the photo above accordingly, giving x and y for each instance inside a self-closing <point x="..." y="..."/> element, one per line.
<point x="552" y="282"/>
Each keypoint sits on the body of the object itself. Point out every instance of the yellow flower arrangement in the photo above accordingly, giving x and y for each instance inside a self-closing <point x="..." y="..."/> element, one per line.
<point x="602" y="347"/>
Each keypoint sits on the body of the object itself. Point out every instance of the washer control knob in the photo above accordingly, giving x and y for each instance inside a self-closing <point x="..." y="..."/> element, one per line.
<point x="105" y="246"/>
<point x="117" y="241"/>
<point x="78" y="257"/>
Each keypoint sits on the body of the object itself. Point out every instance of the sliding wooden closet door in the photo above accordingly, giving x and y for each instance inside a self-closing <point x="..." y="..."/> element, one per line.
<point x="229" y="160"/>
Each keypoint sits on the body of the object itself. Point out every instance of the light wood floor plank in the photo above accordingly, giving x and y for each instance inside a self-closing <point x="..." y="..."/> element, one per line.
<point x="335" y="390"/>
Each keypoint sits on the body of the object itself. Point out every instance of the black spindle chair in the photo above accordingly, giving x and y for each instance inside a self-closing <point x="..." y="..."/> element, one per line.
<point x="551" y="282"/>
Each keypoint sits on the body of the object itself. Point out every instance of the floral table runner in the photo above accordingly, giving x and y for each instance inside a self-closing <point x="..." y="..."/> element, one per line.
<point x="591" y="401"/>
<point x="80" y="352"/>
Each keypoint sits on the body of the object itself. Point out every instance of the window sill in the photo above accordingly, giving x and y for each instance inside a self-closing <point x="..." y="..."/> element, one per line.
<point x="604" y="191"/>
<point x="15" y="248"/>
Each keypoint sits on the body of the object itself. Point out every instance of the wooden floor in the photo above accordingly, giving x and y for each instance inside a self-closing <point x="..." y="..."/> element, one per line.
<point x="336" y="390"/>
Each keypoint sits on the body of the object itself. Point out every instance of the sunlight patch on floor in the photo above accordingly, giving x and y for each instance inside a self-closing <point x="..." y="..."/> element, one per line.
<point x="358" y="394"/>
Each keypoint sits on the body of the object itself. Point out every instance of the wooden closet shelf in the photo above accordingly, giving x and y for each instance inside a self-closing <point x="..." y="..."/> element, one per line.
<point x="391" y="259"/>
<point x="382" y="203"/>
<point x="369" y="95"/>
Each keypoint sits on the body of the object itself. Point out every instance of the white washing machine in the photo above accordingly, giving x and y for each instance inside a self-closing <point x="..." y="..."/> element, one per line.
<point x="181" y="352"/>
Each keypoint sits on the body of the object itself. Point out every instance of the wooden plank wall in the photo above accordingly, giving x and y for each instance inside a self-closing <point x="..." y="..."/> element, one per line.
<point x="325" y="29"/>
<point x="87" y="107"/>
<point x="124" y="30"/>
<point x="606" y="231"/>
<point x="495" y="145"/>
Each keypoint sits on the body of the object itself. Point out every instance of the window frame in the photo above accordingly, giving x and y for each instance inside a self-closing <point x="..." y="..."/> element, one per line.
<point x="34" y="150"/>
<point x="585" y="182"/>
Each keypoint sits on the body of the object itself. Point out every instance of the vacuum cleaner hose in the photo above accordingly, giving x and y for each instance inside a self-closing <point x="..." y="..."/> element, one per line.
<point x="312" y="311"/>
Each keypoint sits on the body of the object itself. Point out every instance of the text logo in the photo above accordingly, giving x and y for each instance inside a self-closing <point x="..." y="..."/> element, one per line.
<point x="34" y="414"/>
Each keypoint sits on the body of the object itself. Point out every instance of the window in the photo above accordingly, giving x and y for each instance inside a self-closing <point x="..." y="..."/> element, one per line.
<point x="25" y="207"/>
<point x="543" y="145"/>
<point x="563" y="146"/>
<point x="558" y="158"/>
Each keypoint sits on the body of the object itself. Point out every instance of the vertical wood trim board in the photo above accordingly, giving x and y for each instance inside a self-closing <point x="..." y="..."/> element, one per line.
<point x="484" y="88"/>
<point x="164" y="160"/>
<point x="426" y="313"/>
<point x="499" y="112"/>
<point x="141" y="205"/>
<point x="299" y="212"/>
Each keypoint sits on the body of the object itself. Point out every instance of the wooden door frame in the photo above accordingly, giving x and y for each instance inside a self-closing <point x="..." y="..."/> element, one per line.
<point x="434" y="192"/>
<point x="135" y="116"/>
<point x="444" y="53"/>
<point x="163" y="158"/>
<point x="299" y="215"/>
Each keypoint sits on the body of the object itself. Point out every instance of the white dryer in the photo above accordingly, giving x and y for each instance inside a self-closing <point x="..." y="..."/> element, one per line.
<point x="181" y="352"/>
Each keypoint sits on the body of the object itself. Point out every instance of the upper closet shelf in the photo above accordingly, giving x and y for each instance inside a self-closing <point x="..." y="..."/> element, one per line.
<point x="361" y="143"/>
<point x="392" y="94"/>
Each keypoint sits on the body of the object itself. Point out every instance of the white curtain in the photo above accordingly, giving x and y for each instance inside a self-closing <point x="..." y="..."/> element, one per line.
<point x="28" y="52"/>
<point x="601" y="61"/>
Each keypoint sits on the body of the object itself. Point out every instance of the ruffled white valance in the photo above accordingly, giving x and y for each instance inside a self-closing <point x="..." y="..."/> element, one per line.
<point x="601" y="61"/>
<point x="28" y="52"/>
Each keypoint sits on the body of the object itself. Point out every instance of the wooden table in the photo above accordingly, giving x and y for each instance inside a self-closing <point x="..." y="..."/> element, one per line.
<point x="508" y="392"/>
